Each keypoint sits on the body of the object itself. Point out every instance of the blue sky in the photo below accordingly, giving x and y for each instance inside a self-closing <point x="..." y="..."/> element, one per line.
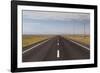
<point x="43" y="22"/>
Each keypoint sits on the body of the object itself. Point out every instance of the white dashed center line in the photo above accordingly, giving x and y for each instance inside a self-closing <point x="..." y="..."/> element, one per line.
<point x="58" y="43"/>
<point x="58" y="53"/>
<point x="58" y="40"/>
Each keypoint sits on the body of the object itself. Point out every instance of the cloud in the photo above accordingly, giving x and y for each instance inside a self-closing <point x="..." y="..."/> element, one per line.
<point x="57" y="16"/>
<point x="43" y="22"/>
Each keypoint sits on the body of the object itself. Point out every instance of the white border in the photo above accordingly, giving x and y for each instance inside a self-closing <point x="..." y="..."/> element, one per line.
<point x="53" y="63"/>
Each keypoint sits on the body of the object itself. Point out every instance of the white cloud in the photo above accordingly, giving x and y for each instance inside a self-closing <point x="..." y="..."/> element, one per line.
<point x="39" y="22"/>
<point x="61" y="16"/>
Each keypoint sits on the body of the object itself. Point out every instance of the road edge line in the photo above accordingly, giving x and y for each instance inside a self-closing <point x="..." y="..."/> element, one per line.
<point x="80" y="45"/>
<point x="34" y="46"/>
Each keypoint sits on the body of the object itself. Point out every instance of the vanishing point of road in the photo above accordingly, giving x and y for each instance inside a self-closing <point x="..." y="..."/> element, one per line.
<point x="56" y="48"/>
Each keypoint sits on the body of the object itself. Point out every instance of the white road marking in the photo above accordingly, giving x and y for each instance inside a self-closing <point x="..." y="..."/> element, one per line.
<point x="58" y="43"/>
<point x="58" y="53"/>
<point x="80" y="45"/>
<point x="34" y="47"/>
<point x="58" y="40"/>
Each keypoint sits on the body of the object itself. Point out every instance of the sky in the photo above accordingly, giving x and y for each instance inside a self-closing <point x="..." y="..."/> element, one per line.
<point x="46" y="22"/>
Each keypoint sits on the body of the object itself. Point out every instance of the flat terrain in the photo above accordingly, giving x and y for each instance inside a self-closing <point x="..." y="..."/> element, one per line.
<point x="31" y="39"/>
<point x="85" y="40"/>
<point x="55" y="48"/>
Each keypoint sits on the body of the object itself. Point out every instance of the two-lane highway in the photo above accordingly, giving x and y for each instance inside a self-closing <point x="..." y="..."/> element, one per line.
<point x="57" y="48"/>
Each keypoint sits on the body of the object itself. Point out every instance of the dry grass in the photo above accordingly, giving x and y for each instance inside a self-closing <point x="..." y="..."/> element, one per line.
<point x="81" y="39"/>
<point x="31" y="39"/>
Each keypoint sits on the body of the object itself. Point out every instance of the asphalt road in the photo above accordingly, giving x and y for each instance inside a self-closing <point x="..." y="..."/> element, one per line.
<point x="57" y="48"/>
